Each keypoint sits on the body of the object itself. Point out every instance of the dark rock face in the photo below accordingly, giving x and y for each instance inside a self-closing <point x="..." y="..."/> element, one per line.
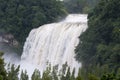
<point x="9" y="39"/>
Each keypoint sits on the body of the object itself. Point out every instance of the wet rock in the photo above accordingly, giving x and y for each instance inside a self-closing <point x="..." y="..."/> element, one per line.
<point x="9" y="39"/>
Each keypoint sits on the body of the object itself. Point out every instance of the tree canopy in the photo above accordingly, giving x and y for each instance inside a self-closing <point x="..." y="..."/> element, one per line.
<point x="20" y="16"/>
<point x="79" y="6"/>
<point x="100" y="43"/>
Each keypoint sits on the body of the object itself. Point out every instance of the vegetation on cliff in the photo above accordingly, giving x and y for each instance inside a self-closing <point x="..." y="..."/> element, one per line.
<point x="18" y="17"/>
<point x="79" y="6"/>
<point x="13" y="73"/>
<point x="99" y="48"/>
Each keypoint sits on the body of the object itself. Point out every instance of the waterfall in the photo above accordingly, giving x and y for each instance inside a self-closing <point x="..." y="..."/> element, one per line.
<point x="54" y="43"/>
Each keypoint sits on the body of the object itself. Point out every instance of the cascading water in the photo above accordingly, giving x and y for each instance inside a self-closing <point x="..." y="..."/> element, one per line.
<point x="54" y="44"/>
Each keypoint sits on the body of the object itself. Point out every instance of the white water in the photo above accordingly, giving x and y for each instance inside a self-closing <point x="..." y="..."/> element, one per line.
<point x="10" y="55"/>
<point x="54" y="43"/>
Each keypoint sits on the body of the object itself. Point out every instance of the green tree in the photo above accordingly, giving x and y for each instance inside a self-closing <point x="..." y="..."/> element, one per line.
<point x="24" y="76"/>
<point x="20" y="16"/>
<point x="36" y="75"/>
<point x="108" y="77"/>
<point x="79" y="77"/>
<point x="3" y="73"/>
<point x="13" y="72"/>
<point x="79" y="6"/>
<point x="100" y="42"/>
<point x="54" y="73"/>
<point x="92" y="77"/>
<point x="47" y="74"/>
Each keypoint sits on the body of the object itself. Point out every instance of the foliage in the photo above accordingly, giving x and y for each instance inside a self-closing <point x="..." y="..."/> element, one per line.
<point x="3" y="72"/>
<point x="100" y="43"/>
<point x="92" y="77"/>
<point x="79" y="6"/>
<point x="13" y="72"/>
<point x="20" y="16"/>
<point x="24" y="76"/>
<point x="36" y="75"/>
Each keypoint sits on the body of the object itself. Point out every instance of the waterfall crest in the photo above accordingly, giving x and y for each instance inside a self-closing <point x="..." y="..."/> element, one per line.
<point x="54" y="43"/>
